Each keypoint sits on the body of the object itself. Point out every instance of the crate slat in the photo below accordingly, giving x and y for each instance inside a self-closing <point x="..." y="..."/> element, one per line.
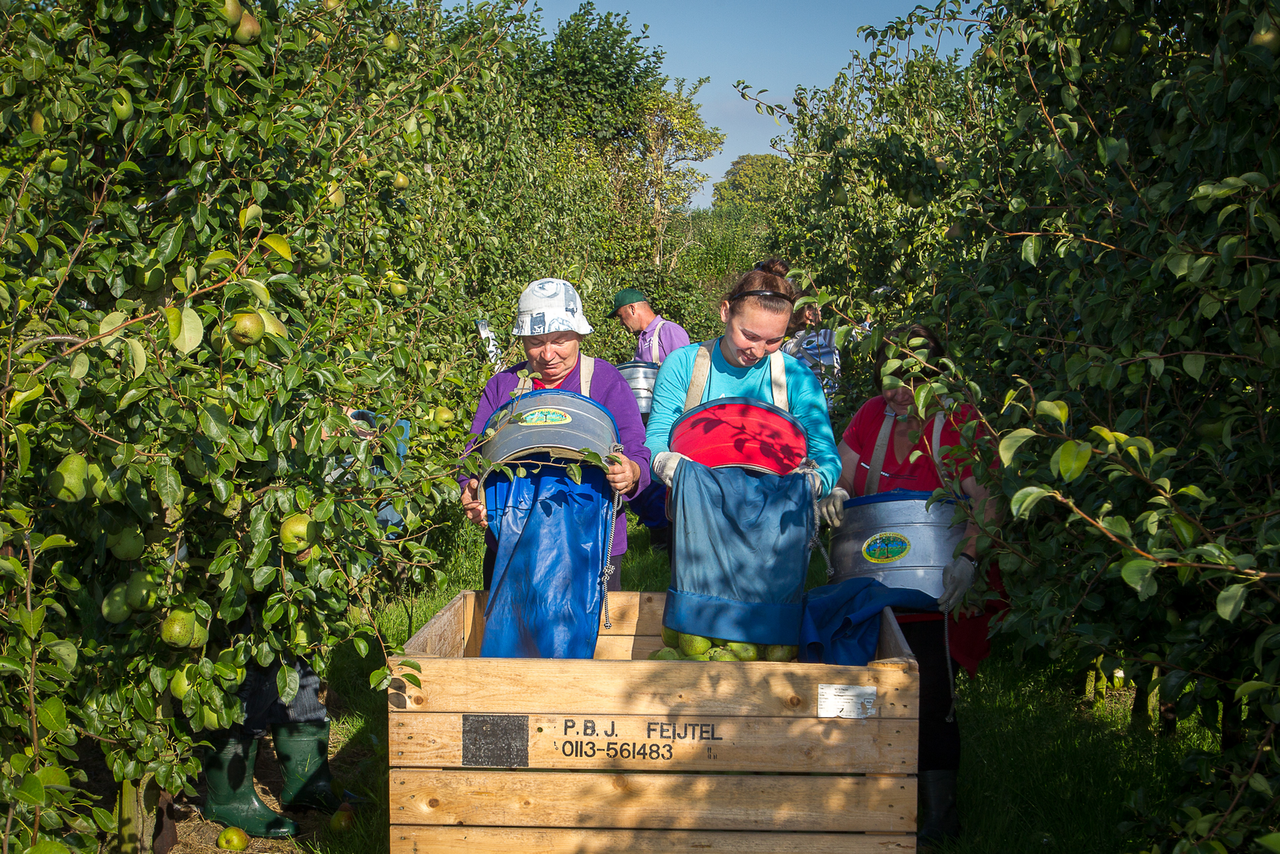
<point x="546" y="686"/>
<point x="505" y="840"/>
<point x="654" y="801"/>
<point x="703" y="743"/>
<point x="626" y="647"/>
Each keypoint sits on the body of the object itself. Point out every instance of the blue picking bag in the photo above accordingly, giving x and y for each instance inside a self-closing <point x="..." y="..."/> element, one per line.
<point x="553" y="539"/>
<point x="740" y="553"/>
<point x="842" y="621"/>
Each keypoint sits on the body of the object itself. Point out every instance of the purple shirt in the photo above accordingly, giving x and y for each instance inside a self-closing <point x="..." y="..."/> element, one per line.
<point x="670" y="337"/>
<point x="608" y="389"/>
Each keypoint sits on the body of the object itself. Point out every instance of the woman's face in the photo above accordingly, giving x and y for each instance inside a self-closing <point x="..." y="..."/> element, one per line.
<point x="752" y="333"/>
<point x="901" y="398"/>
<point x="552" y="355"/>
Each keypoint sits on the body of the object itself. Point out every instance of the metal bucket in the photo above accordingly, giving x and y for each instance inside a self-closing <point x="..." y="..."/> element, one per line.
<point x="743" y="432"/>
<point x="641" y="376"/>
<point x="893" y="538"/>
<point x="558" y="423"/>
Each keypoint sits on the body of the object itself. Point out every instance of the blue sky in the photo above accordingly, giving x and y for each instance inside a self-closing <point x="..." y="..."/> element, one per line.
<point x="770" y="45"/>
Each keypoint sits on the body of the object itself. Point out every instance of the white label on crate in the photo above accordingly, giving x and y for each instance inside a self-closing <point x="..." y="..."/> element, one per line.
<point x="846" y="701"/>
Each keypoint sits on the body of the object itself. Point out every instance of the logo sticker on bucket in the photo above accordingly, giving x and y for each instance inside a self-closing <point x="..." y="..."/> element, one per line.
<point x="545" y="416"/>
<point x="886" y="547"/>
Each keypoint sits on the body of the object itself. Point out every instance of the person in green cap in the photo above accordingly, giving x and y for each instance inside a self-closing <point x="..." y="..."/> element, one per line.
<point x="657" y="336"/>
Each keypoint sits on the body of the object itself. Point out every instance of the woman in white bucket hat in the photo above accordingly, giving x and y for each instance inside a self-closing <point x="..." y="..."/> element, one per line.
<point x="551" y="323"/>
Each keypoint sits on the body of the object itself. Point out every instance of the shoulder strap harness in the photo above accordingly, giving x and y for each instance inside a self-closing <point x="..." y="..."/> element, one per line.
<point x="653" y="342"/>
<point x="586" y="369"/>
<point x="702" y="370"/>
<point x="876" y="466"/>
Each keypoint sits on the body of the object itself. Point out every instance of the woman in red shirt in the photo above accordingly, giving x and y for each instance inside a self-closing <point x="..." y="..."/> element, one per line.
<point x="922" y="455"/>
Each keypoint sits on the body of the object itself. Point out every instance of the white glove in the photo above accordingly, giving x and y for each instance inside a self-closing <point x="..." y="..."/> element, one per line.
<point x="664" y="466"/>
<point x="831" y="508"/>
<point x="957" y="578"/>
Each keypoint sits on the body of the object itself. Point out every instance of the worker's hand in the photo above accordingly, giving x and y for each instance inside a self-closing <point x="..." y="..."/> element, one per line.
<point x="623" y="474"/>
<point x="957" y="578"/>
<point x="664" y="466"/>
<point x="831" y="508"/>
<point x="473" y="503"/>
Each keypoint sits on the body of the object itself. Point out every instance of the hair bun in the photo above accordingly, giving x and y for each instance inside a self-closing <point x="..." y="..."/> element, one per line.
<point x="774" y="267"/>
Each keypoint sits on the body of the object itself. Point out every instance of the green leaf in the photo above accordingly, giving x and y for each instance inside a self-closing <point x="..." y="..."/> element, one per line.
<point x="1115" y="150"/>
<point x="52" y="715"/>
<point x="79" y="366"/>
<point x="1193" y="364"/>
<point x="280" y="245"/>
<point x="1009" y="444"/>
<point x="168" y="485"/>
<point x="48" y="846"/>
<point x="213" y="422"/>
<point x="1053" y="408"/>
<point x="54" y="541"/>
<point x="30" y="241"/>
<point x="1026" y="498"/>
<point x="1137" y="574"/>
<point x="192" y="332"/>
<point x="170" y="243"/>
<point x="31" y="791"/>
<point x="259" y="290"/>
<point x="1249" y="687"/>
<point x="1271" y="842"/>
<point x="111" y="321"/>
<point x="1259" y="784"/>
<point x="137" y="356"/>
<point x="21" y="397"/>
<point x="106" y="821"/>
<point x="53" y="775"/>
<point x="24" y="449"/>
<point x="65" y="651"/>
<point x="1031" y="249"/>
<point x="287" y="683"/>
<point x="1231" y="601"/>
<point x="174" y="318"/>
<point x="1073" y="459"/>
<point x="31" y="620"/>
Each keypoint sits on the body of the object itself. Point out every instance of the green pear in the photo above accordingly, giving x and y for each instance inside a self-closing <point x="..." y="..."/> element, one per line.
<point x="69" y="482"/>
<point x="249" y="29"/>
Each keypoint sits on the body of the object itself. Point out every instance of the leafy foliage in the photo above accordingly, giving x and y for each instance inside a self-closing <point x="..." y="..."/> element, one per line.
<point x="1088" y="210"/>
<point x="215" y="244"/>
<point x="752" y="183"/>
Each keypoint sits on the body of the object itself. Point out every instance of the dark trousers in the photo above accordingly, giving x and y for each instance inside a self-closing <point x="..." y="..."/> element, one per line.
<point x="939" y="740"/>
<point x="263" y="708"/>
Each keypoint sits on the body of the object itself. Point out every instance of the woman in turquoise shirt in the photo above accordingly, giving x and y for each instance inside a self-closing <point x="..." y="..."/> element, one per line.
<point x="755" y="315"/>
<point x="742" y="538"/>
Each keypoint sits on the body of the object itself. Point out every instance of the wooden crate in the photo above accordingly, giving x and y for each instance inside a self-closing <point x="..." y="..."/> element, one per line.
<point x="619" y="754"/>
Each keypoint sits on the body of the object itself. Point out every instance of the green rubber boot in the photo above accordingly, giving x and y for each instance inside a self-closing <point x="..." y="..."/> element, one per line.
<point x="303" y="751"/>
<point x="230" y="798"/>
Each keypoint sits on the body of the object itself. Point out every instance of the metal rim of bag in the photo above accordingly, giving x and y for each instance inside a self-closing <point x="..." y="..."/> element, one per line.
<point x="742" y="432"/>
<point x="569" y="424"/>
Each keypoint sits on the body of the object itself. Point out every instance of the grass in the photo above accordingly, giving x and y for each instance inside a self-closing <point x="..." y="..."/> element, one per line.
<point x="1041" y="770"/>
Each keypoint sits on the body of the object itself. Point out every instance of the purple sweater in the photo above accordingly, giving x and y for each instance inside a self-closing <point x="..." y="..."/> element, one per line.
<point x="671" y="337"/>
<point x="608" y="389"/>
